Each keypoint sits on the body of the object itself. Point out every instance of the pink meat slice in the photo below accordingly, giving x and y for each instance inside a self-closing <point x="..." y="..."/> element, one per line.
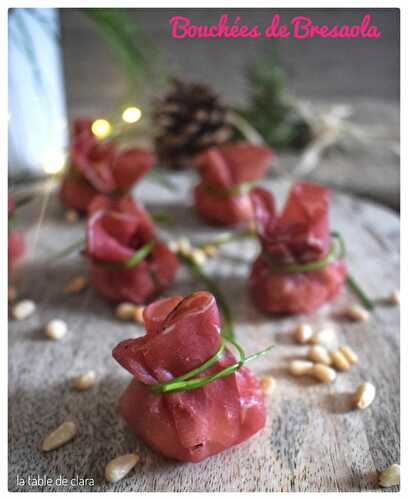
<point x="295" y="293"/>
<point x="233" y="164"/>
<point x="128" y="205"/>
<point x="301" y="232"/>
<point x="94" y="161"/>
<point x="181" y="334"/>
<point x="130" y="166"/>
<point x="223" y="210"/>
<point x="140" y="283"/>
<point x="76" y="193"/>
<point x="226" y="167"/>
<point x="16" y="241"/>
<point x="116" y="229"/>
<point x="108" y="235"/>
<point x="16" y="246"/>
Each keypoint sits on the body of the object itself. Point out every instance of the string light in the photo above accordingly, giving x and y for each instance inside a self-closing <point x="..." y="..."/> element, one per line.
<point x="101" y="128"/>
<point x="54" y="163"/>
<point x="131" y="115"/>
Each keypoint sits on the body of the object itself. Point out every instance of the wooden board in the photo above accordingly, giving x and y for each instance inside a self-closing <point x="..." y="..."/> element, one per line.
<point x="313" y="440"/>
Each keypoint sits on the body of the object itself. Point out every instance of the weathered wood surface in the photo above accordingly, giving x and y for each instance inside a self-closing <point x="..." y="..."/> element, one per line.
<point x="313" y="440"/>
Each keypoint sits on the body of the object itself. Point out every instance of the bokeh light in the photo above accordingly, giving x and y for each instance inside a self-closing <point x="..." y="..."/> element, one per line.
<point x="101" y="128"/>
<point x="131" y="115"/>
<point x="54" y="163"/>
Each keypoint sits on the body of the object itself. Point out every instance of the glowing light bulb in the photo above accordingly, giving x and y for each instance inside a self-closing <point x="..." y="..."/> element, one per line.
<point x="101" y="128"/>
<point x="54" y="163"/>
<point x="131" y="115"/>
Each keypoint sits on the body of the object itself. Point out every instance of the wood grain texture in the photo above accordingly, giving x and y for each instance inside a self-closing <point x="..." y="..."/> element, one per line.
<point x="313" y="440"/>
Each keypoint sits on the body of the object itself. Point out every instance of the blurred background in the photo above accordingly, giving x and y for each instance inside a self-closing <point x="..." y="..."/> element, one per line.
<point x="329" y="107"/>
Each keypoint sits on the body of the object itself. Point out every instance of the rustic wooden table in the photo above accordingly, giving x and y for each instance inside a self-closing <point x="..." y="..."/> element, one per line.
<point x="313" y="440"/>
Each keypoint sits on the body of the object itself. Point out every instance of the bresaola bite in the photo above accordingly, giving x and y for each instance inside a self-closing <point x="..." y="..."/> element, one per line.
<point x="16" y="243"/>
<point x="99" y="168"/>
<point x="227" y="175"/>
<point x="182" y="333"/>
<point x="117" y="231"/>
<point x="294" y="239"/>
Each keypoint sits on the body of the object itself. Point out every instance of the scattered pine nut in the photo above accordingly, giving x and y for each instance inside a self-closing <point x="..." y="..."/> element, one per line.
<point x="357" y="313"/>
<point x="391" y="476"/>
<point x="364" y="395"/>
<point x="340" y="361"/>
<point x="119" y="467"/>
<point x="210" y="250"/>
<point x="268" y="385"/>
<point x="11" y="294"/>
<point x="184" y="246"/>
<point x="198" y="256"/>
<point x="84" y="381"/>
<point x="323" y="373"/>
<point x="394" y="297"/>
<point x="77" y="284"/>
<point x="173" y="246"/>
<point x="303" y="333"/>
<point x="350" y="355"/>
<point x="71" y="216"/>
<point x="23" y="309"/>
<point x="138" y="314"/>
<point x="56" y="329"/>
<point x="125" y="311"/>
<point x="222" y="238"/>
<point x="319" y="354"/>
<point x="64" y="433"/>
<point x="326" y="337"/>
<point x="299" y="367"/>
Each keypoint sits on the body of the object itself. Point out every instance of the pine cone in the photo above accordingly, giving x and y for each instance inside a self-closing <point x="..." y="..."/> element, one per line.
<point x="189" y="119"/>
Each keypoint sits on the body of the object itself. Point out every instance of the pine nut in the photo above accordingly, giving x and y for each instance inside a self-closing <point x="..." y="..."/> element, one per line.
<point x="71" y="216"/>
<point x="391" y="476"/>
<point x="357" y="313"/>
<point x="364" y="395"/>
<point x="303" y="333"/>
<point x="198" y="256"/>
<point x="210" y="250"/>
<point x="56" y="329"/>
<point x="326" y="337"/>
<point x="340" y="361"/>
<point x="268" y="385"/>
<point x="119" y="467"/>
<point x="64" y="433"/>
<point x="84" y="381"/>
<point x="184" y="246"/>
<point x="125" y="311"/>
<point x="299" y="367"/>
<point x="323" y="373"/>
<point x="173" y="246"/>
<point x="138" y="314"/>
<point x="23" y="309"/>
<point x="394" y="297"/>
<point x="319" y="354"/>
<point x="348" y="352"/>
<point x="77" y="284"/>
<point x="222" y="238"/>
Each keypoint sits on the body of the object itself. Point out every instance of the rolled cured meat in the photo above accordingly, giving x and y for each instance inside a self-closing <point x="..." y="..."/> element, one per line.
<point x="300" y="234"/>
<point x="227" y="174"/>
<point x="182" y="333"/>
<point x="116" y="230"/>
<point x="97" y="167"/>
<point x="16" y="242"/>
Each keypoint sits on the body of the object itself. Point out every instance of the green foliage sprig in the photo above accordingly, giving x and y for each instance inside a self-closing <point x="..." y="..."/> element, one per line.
<point x="270" y="112"/>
